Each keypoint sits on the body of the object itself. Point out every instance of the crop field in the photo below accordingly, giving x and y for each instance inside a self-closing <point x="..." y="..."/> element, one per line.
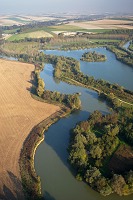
<point x="36" y="34"/>
<point x="75" y="27"/>
<point x="8" y="20"/>
<point x="104" y="24"/>
<point x="19" y="113"/>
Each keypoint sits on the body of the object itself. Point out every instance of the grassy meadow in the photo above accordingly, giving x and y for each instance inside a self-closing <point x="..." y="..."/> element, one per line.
<point x="36" y="34"/>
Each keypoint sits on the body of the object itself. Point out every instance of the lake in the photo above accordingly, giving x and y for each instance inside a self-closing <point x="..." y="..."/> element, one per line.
<point x="58" y="181"/>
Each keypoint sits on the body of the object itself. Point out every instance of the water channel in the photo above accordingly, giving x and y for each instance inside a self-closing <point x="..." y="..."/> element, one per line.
<point x="58" y="182"/>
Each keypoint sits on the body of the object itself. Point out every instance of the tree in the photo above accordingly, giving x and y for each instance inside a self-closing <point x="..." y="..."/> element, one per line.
<point x="92" y="175"/>
<point x="40" y="87"/>
<point x="119" y="185"/>
<point x="103" y="187"/>
<point x="95" y="151"/>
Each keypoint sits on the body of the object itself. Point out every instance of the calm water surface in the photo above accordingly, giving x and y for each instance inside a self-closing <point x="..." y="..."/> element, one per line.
<point x="58" y="182"/>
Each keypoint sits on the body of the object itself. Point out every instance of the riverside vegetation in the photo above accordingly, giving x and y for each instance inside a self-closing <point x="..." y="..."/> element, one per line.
<point x="95" y="141"/>
<point x="93" y="57"/>
<point x="94" y="145"/>
<point x="68" y="103"/>
<point x="68" y="69"/>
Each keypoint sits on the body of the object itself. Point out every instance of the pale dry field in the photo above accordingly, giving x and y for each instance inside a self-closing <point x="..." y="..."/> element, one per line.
<point x="103" y="24"/>
<point x="19" y="113"/>
<point x="39" y="18"/>
<point x="7" y="22"/>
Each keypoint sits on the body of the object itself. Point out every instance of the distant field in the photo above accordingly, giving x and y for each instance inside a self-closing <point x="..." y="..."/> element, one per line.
<point x="8" y="20"/>
<point x="11" y="31"/>
<point x="65" y="28"/>
<point x="36" y="34"/>
<point x="73" y="27"/>
<point x="20" y="20"/>
<point x="103" y="24"/>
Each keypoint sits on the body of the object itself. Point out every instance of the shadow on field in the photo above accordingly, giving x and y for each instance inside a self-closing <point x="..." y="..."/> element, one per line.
<point x="16" y="185"/>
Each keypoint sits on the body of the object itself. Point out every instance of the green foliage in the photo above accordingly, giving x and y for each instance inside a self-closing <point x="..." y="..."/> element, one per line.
<point x="92" y="144"/>
<point x="131" y="46"/>
<point x="119" y="185"/>
<point x="72" y="101"/>
<point x="40" y="85"/>
<point x="129" y="179"/>
<point x="92" y="174"/>
<point x="103" y="187"/>
<point x="93" y="57"/>
<point x="122" y="54"/>
<point x="66" y="68"/>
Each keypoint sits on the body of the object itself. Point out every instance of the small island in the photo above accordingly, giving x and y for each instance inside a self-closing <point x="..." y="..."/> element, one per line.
<point x="93" y="57"/>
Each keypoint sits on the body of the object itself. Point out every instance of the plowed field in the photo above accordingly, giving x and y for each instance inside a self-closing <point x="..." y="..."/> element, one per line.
<point x="19" y="113"/>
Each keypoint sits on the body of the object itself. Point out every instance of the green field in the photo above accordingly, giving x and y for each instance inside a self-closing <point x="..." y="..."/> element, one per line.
<point x="11" y="31"/>
<point x="21" y="47"/>
<point x="36" y="34"/>
<point x="69" y="28"/>
<point x="48" y="31"/>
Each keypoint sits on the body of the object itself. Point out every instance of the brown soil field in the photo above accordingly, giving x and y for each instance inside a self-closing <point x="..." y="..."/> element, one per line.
<point x="19" y="113"/>
<point x="104" y="24"/>
<point x="122" y="160"/>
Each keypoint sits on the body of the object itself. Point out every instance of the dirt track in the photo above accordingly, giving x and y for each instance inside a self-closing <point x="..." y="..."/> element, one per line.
<point x="19" y="113"/>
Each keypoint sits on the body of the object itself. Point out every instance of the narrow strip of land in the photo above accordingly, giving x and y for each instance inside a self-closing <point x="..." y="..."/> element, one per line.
<point x="19" y="113"/>
<point x="93" y="88"/>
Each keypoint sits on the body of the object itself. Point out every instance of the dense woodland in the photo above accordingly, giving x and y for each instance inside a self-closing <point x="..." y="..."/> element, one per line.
<point x="93" y="57"/>
<point x="92" y="145"/>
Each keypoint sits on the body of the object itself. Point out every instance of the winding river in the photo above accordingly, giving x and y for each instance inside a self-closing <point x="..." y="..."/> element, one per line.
<point x="58" y="182"/>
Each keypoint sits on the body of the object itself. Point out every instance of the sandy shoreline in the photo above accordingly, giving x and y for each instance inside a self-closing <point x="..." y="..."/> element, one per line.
<point x="19" y="113"/>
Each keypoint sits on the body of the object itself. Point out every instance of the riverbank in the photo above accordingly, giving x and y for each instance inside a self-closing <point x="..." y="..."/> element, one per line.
<point x="19" y="114"/>
<point x="31" y="182"/>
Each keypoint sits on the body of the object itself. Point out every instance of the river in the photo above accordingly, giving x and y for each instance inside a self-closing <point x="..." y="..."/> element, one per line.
<point x="58" y="181"/>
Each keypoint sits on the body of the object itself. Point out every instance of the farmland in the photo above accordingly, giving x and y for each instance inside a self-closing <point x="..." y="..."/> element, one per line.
<point x="36" y="34"/>
<point x="104" y="24"/>
<point x="19" y="113"/>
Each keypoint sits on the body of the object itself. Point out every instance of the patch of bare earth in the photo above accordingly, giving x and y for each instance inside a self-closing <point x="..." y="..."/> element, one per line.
<point x="19" y="113"/>
<point x="122" y="160"/>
